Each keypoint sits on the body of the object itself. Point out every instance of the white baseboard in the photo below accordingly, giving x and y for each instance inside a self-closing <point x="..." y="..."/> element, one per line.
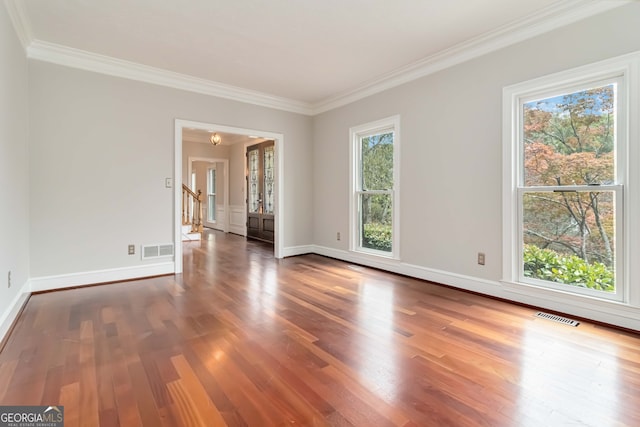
<point x="613" y="313"/>
<point x="49" y="283"/>
<point x="10" y="315"/>
<point x="298" y="250"/>
<point x="240" y="231"/>
<point x="438" y="276"/>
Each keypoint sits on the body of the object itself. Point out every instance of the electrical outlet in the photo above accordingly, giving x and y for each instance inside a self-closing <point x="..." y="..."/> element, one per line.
<point x="9" y="279"/>
<point x="132" y="249"/>
<point x="338" y="235"/>
<point x="480" y="258"/>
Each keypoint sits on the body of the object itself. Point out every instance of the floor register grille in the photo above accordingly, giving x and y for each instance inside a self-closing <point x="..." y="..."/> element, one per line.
<point x="558" y="319"/>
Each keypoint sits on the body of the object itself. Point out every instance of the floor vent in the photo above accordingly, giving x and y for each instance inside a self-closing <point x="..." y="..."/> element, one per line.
<point x="157" y="251"/>
<point x="558" y="319"/>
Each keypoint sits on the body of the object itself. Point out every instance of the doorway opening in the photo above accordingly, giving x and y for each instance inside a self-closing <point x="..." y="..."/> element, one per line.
<point x="210" y="176"/>
<point x="231" y="214"/>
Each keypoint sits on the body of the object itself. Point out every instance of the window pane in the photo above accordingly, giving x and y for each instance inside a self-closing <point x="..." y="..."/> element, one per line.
<point x="377" y="162"/>
<point x="375" y="221"/>
<point x="570" y="139"/>
<point x="269" y="194"/>
<point x="212" y="208"/>
<point x="569" y="238"/>
<point x="254" y="195"/>
<point x="212" y="181"/>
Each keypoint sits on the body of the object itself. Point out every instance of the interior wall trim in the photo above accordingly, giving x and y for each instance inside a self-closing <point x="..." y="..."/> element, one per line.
<point x="299" y="250"/>
<point x="87" y="278"/>
<point x="9" y="317"/>
<point x="88" y="61"/>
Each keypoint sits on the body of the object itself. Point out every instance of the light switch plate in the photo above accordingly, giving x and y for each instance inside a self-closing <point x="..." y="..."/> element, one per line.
<point x="168" y="182"/>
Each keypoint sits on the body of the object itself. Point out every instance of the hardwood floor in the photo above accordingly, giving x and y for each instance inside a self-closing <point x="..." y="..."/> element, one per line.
<point x="242" y="339"/>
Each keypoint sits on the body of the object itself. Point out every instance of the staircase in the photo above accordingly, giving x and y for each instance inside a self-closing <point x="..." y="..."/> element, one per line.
<point x="191" y="214"/>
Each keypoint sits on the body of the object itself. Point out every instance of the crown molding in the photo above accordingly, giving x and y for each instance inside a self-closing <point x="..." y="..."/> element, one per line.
<point x="76" y="58"/>
<point x="20" y="20"/>
<point x="556" y="16"/>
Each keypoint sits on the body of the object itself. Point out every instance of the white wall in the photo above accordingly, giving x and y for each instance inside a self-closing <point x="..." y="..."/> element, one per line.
<point x="14" y="173"/>
<point x="237" y="175"/>
<point x="101" y="149"/>
<point x="198" y="149"/>
<point x="451" y="169"/>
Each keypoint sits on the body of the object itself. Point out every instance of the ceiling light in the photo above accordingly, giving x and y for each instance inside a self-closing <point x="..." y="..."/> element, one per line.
<point x="215" y="139"/>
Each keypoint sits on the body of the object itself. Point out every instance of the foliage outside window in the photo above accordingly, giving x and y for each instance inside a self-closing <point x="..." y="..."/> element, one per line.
<point x="375" y="188"/>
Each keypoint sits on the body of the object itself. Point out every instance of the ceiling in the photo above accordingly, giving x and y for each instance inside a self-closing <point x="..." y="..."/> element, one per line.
<point x="310" y="52"/>
<point x="203" y="135"/>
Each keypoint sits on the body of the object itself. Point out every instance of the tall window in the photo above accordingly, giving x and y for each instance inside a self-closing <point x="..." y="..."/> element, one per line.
<point x="374" y="224"/>
<point x="567" y="151"/>
<point x="211" y="195"/>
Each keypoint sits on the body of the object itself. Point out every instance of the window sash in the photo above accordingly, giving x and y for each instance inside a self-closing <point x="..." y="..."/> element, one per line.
<point x="361" y="234"/>
<point x="618" y="237"/>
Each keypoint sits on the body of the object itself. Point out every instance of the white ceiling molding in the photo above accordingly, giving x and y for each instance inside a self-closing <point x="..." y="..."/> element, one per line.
<point x="83" y="60"/>
<point x="561" y="14"/>
<point x="20" y="21"/>
<point x="548" y="19"/>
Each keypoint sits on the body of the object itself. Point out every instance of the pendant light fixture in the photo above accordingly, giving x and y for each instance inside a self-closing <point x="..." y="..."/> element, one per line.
<point x="215" y="139"/>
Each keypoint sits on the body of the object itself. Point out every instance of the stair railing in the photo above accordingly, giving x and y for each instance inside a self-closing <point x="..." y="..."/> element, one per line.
<point x="192" y="201"/>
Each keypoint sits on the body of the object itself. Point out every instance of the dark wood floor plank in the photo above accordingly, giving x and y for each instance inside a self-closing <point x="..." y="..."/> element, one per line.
<point x="242" y="339"/>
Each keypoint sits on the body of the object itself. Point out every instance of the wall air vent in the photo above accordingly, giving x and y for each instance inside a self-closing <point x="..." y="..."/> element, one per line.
<point x="558" y="319"/>
<point x="157" y="251"/>
<point x="165" y="250"/>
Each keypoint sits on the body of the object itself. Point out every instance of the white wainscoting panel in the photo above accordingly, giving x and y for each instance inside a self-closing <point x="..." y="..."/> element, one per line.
<point x="221" y="213"/>
<point x="238" y="219"/>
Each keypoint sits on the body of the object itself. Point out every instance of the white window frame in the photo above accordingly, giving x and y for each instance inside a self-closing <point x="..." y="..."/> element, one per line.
<point x="624" y="71"/>
<point x="211" y="193"/>
<point x="389" y="124"/>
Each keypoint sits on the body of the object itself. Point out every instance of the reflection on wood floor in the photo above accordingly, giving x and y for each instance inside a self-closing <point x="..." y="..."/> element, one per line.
<point x="243" y="339"/>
